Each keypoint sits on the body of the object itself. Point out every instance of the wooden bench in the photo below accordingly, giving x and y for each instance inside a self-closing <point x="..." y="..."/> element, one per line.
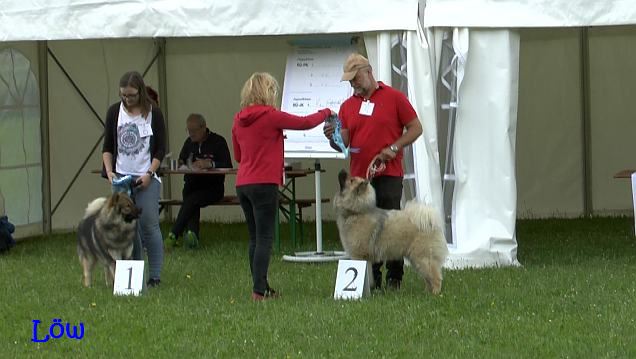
<point x="225" y="201"/>
<point x="234" y="201"/>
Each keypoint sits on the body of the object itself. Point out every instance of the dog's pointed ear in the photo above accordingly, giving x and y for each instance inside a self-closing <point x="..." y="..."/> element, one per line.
<point x="112" y="200"/>
<point x="342" y="179"/>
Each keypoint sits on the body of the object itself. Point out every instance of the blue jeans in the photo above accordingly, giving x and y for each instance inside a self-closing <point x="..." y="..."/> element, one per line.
<point x="259" y="203"/>
<point x="148" y="231"/>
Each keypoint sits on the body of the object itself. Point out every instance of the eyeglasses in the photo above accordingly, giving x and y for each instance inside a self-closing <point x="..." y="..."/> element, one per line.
<point x="130" y="95"/>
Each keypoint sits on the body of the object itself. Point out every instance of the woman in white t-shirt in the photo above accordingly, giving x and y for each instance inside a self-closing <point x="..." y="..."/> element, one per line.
<point x="135" y="144"/>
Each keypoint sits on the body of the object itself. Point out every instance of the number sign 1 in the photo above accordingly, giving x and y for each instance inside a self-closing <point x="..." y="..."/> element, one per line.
<point x="129" y="277"/>
<point x="352" y="280"/>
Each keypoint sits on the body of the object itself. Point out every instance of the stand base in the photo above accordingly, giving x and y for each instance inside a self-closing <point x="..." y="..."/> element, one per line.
<point x="316" y="257"/>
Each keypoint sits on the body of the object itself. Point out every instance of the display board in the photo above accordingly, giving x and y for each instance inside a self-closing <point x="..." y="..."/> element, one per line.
<point x="312" y="82"/>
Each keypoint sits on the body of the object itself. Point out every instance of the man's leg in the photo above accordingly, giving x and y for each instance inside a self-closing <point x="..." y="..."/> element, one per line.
<point x="388" y="196"/>
<point x="201" y="198"/>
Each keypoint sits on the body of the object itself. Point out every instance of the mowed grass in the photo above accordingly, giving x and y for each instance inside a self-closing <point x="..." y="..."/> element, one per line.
<point x="574" y="297"/>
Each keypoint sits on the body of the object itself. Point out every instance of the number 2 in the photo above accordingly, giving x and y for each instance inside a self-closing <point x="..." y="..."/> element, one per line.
<point x="348" y="287"/>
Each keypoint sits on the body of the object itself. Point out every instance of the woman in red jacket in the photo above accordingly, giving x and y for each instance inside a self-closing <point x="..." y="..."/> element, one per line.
<point x="257" y="137"/>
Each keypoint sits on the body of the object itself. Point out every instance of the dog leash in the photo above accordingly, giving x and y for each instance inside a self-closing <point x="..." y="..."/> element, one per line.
<point x="375" y="167"/>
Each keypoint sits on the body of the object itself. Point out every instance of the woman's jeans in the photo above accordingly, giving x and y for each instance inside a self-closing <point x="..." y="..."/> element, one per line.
<point x="149" y="233"/>
<point x="259" y="203"/>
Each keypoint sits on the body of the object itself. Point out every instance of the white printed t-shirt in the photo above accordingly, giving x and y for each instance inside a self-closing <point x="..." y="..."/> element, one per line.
<point x="133" y="150"/>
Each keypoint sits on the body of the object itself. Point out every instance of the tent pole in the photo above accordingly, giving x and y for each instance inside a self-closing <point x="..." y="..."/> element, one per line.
<point x="588" y="205"/>
<point x="43" y="81"/>
<point x="160" y="46"/>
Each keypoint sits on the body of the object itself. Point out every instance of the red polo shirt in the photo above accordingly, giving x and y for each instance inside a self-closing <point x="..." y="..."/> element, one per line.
<point x="370" y="134"/>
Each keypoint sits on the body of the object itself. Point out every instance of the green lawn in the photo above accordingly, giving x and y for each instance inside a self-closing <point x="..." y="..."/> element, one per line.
<point x="574" y="297"/>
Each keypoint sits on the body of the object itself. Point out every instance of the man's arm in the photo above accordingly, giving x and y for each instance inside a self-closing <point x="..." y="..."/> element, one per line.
<point x="413" y="131"/>
<point x="222" y="157"/>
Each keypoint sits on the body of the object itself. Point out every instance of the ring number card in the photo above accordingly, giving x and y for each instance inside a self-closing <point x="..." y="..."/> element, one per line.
<point x="129" y="277"/>
<point x="352" y="280"/>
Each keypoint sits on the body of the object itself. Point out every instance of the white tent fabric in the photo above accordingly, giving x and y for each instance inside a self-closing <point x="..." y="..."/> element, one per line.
<point x="484" y="202"/>
<point x="528" y="13"/>
<point x="421" y="80"/>
<point x="91" y="19"/>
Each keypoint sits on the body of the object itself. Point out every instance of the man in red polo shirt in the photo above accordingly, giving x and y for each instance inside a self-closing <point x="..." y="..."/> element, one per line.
<point x="374" y="120"/>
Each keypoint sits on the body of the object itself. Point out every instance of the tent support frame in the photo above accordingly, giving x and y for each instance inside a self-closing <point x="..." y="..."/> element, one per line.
<point x="43" y="82"/>
<point x="588" y="204"/>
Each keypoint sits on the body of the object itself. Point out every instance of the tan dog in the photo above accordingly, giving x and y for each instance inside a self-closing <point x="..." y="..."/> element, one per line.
<point x="373" y="234"/>
<point x="106" y="234"/>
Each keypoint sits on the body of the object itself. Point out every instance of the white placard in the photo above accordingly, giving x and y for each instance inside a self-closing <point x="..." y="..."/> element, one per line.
<point x="312" y="82"/>
<point x="129" y="277"/>
<point x="352" y="280"/>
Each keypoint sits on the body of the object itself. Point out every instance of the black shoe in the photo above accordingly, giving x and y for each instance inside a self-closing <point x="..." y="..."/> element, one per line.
<point x="153" y="282"/>
<point x="270" y="293"/>
<point x="393" y="284"/>
<point x="377" y="285"/>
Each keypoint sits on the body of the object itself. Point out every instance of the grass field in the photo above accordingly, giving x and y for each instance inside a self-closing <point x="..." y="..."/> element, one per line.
<point x="574" y="297"/>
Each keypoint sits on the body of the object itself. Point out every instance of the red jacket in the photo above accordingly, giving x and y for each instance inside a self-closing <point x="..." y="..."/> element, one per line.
<point x="257" y="138"/>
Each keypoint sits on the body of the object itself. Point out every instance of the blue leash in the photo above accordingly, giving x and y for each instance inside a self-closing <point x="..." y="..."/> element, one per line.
<point x="123" y="184"/>
<point x="337" y="137"/>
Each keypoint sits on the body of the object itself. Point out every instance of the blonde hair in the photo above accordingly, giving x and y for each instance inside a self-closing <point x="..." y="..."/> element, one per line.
<point x="260" y="89"/>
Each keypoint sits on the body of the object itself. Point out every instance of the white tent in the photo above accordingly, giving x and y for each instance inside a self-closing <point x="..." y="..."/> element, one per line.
<point x="198" y="53"/>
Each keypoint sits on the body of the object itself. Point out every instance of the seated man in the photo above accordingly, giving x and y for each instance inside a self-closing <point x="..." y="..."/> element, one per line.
<point x="203" y="149"/>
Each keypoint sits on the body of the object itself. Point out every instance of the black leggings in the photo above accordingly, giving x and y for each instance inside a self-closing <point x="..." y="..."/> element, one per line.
<point x="388" y="194"/>
<point x="259" y="203"/>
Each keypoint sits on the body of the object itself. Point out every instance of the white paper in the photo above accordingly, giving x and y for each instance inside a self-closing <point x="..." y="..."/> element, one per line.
<point x="312" y="82"/>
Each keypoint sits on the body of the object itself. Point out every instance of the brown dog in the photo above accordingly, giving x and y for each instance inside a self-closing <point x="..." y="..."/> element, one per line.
<point x="106" y="234"/>
<point x="373" y="234"/>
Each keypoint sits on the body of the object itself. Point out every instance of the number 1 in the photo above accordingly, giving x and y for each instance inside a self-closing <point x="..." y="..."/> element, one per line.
<point x="129" y="278"/>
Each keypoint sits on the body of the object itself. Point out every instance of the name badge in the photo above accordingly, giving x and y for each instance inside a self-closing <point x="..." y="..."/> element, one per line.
<point x="366" y="108"/>
<point x="145" y="130"/>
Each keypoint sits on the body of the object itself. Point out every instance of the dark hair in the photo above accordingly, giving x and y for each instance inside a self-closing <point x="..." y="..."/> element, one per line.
<point x="135" y="80"/>
<point x="154" y="96"/>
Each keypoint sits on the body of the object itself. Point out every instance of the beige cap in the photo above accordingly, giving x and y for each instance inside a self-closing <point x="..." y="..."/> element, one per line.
<point x="351" y="66"/>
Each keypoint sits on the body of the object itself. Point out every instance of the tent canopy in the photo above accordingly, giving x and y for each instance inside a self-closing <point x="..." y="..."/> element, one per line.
<point x="96" y="19"/>
<point x="528" y="13"/>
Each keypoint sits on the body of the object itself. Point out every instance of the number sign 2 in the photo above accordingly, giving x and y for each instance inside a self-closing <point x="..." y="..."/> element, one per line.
<point x="352" y="280"/>
<point x="129" y="277"/>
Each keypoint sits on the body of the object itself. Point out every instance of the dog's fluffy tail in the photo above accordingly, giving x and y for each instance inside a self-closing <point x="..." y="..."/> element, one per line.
<point x="94" y="206"/>
<point x="426" y="218"/>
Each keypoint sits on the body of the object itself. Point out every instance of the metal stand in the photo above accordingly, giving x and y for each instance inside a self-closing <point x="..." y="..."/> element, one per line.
<point x="319" y="255"/>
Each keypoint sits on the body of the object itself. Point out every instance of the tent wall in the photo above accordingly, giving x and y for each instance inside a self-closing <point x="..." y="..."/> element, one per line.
<point x="613" y="113"/>
<point x="205" y="75"/>
<point x="550" y="147"/>
<point x="549" y="156"/>
<point x="95" y="66"/>
<point x="19" y="130"/>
